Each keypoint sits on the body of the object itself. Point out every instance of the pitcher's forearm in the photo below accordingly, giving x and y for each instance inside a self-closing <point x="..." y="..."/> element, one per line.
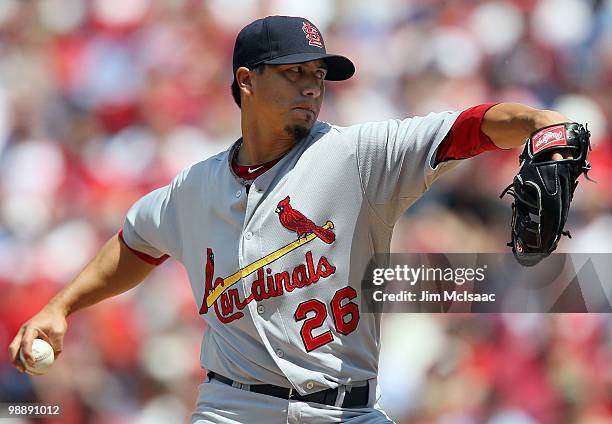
<point x="114" y="270"/>
<point x="509" y="124"/>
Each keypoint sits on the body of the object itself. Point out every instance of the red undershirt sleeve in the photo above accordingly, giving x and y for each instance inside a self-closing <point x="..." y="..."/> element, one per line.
<point x="147" y="258"/>
<point x="465" y="138"/>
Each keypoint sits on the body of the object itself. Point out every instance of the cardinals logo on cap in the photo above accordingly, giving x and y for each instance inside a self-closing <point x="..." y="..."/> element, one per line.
<point x="312" y="34"/>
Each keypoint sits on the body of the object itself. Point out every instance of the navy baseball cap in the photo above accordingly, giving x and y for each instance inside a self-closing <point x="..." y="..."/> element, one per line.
<point x="279" y="40"/>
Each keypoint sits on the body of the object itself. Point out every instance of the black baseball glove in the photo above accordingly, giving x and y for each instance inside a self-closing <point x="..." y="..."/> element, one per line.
<point x="543" y="189"/>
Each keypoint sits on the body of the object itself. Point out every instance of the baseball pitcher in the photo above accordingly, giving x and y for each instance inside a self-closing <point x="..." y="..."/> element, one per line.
<point x="276" y="232"/>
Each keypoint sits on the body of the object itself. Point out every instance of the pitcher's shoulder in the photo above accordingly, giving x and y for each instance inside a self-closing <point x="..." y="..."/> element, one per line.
<point x="200" y="170"/>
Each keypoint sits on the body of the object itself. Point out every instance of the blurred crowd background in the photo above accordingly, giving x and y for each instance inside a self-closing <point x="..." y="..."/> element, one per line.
<point x="103" y="100"/>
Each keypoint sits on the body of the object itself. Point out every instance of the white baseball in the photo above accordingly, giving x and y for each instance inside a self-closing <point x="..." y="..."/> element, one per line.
<point x="43" y="357"/>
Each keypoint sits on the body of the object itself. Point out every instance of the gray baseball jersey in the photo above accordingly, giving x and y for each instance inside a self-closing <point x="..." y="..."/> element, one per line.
<point x="276" y="272"/>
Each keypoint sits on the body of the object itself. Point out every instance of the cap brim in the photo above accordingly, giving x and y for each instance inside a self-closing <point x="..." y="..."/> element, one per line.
<point x="339" y="68"/>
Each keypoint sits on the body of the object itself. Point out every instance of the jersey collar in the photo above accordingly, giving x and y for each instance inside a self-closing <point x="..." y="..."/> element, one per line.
<point x="264" y="180"/>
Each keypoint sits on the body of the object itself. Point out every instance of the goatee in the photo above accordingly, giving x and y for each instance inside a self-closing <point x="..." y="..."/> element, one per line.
<point x="298" y="132"/>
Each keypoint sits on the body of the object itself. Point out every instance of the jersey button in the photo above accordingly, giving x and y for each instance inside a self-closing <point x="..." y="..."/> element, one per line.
<point x="248" y="235"/>
<point x="279" y="353"/>
<point x="238" y="193"/>
<point x="261" y="309"/>
<point x="309" y="385"/>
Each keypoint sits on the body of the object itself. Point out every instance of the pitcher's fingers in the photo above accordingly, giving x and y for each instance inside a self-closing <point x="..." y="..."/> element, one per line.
<point x="42" y="335"/>
<point x="14" y="350"/>
<point x="561" y="155"/>
<point x="29" y="335"/>
<point x="57" y="344"/>
<point x="14" y="345"/>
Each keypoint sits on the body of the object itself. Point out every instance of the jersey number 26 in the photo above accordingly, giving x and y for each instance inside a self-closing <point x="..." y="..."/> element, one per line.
<point x="346" y="317"/>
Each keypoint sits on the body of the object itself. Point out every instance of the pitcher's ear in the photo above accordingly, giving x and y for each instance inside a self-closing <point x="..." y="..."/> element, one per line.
<point x="244" y="80"/>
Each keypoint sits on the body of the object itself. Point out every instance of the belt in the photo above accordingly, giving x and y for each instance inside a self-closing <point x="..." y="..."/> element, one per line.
<point x="354" y="397"/>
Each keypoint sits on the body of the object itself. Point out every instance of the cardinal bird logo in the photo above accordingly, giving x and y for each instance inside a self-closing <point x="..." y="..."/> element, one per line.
<point x="294" y="220"/>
